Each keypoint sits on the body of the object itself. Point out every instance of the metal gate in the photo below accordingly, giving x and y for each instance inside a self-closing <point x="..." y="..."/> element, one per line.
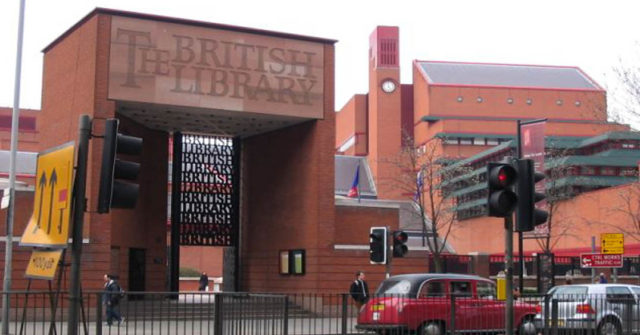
<point x="204" y="194"/>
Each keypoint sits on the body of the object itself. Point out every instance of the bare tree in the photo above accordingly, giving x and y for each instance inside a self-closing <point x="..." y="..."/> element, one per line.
<point x="627" y="204"/>
<point x="421" y="172"/>
<point x="559" y="224"/>
<point x="627" y="89"/>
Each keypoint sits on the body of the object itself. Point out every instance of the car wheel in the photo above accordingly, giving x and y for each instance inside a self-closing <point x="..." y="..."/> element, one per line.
<point x="432" y="328"/>
<point x="527" y="327"/>
<point x="609" y="326"/>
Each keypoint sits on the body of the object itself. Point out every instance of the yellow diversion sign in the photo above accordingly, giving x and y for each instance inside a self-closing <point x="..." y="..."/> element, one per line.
<point x="49" y="223"/>
<point x="43" y="264"/>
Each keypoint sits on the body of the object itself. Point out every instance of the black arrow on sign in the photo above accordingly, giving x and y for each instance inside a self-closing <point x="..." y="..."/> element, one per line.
<point x="43" y="184"/>
<point x="60" y="223"/>
<point x="52" y="183"/>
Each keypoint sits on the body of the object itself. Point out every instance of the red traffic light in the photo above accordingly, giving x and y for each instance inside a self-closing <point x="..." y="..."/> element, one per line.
<point x="501" y="199"/>
<point x="502" y="176"/>
<point x="400" y="237"/>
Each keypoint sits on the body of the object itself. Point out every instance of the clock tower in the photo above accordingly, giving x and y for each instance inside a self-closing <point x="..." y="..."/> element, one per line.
<point x="384" y="101"/>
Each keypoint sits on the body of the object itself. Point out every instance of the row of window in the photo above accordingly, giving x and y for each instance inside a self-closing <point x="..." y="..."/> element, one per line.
<point x="511" y="101"/>
<point x="474" y="141"/>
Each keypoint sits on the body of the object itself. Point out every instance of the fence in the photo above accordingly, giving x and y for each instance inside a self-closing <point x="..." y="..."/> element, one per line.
<point x="572" y="311"/>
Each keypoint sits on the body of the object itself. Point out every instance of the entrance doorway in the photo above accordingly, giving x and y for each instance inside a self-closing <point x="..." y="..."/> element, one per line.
<point x="136" y="271"/>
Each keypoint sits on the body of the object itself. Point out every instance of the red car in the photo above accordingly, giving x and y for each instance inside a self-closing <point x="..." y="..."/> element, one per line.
<point x="423" y="303"/>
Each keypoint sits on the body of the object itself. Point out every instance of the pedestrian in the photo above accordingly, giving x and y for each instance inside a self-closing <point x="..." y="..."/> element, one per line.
<point x="203" y="282"/>
<point x="111" y="299"/>
<point x="568" y="280"/>
<point x="359" y="289"/>
<point x="603" y="278"/>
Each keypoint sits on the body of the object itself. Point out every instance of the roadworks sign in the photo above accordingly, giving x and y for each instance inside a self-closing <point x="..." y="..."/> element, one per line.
<point x="49" y="223"/>
<point x="43" y="264"/>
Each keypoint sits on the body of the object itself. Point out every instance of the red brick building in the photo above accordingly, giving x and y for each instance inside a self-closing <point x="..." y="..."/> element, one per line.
<point x="470" y="110"/>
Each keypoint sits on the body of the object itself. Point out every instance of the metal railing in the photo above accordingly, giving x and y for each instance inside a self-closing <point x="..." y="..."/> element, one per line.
<point x="325" y="314"/>
<point x="41" y="312"/>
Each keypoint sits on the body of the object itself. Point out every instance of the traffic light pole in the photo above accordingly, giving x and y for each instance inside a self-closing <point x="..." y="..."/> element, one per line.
<point x="78" y="220"/>
<point x="520" y="237"/>
<point x="508" y="260"/>
<point x="389" y="255"/>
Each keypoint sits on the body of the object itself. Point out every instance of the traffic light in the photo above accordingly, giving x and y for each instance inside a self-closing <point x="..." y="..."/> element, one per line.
<point x="399" y="243"/>
<point x="501" y="200"/>
<point x="378" y="245"/>
<point x="117" y="176"/>
<point x="527" y="215"/>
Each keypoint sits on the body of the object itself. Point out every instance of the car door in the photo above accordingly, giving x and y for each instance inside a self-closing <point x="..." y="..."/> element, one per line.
<point x="432" y="303"/>
<point x="622" y="302"/>
<point x="636" y="308"/>
<point x="492" y="309"/>
<point x="467" y="307"/>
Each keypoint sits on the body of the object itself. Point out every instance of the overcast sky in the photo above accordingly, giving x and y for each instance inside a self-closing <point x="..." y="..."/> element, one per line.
<point x="592" y="35"/>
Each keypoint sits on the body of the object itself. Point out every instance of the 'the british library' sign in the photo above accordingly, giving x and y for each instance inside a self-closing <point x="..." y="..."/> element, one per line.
<point x="181" y="65"/>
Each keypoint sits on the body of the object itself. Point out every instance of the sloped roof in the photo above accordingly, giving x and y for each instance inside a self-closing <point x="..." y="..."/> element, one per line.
<point x="506" y="75"/>
<point x="345" y="170"/>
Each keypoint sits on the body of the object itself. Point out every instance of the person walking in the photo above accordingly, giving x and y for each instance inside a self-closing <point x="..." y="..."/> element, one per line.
<point x="111" y="299"/>
<point x="603" y="278"/>
<point x="359" y="289"/>
<point x="203" y="283"/>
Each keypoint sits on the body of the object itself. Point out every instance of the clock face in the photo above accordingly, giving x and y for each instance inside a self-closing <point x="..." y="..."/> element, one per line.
<point x="388" y="86"/>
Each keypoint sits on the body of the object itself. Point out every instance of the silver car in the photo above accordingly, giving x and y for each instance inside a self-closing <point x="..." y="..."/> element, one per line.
<point x="609" y="309"/>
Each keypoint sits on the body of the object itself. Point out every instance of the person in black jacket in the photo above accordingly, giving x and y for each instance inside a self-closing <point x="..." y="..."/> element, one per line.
<point x="203" y="282"/>
<point x="359" y="289"/>
<point x="111" y="299"/>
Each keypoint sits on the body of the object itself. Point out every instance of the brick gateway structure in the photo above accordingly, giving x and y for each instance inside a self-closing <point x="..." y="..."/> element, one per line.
<point x="270" y="94"/>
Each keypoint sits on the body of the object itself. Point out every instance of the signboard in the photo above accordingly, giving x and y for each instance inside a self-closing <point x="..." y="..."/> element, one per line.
<point x="588" y="261"/>
<point x="612" y="243"/>
<point x="226" y="69"/>
<point x="532" y="144"/>
<point x="43" y="264"/>
<point x="49" y="223"/>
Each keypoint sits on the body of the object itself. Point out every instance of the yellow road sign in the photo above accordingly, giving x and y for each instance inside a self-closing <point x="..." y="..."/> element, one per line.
<point x="43" y="264"/>
<point x="612" y="243"/>
<point x="49" y="223"/>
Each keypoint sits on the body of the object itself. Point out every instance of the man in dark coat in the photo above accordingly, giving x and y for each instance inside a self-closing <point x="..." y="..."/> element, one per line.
<point x="111" y="299"/>
<point x="203" y="282"/>
<point x="359" y="289"/>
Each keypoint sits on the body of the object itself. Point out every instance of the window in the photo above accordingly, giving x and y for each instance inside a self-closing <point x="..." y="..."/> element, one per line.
<point x="587" y="171"/>
<point x="628" y="145"/>
<point x="451" y="141"/>
<point x="607" y="171"/>
<point x="395" y="287"/>
<point x="461" y="288"/>
<point x="619" y="294"/>
<point x="478" y="141"/>
<point x="492" y="141"/>
<point x="432" y="289"/>
<point x="486" y="290"/>
<point x="465" y="141"/>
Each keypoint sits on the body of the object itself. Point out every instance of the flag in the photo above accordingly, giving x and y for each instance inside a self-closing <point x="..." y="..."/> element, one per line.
<point x="354" y="192"/>
<point x="419" y="184"/>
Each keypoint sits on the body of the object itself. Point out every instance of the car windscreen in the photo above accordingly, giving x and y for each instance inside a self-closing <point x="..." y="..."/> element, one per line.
<point x="395" y="288"/>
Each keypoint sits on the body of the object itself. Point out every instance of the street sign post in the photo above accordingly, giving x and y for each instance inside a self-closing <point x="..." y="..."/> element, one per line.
<point x="612" y="243"/>
<point x="49" y="223"/>
<point x="43" y="264"/>
<point x="590" y="261"/>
